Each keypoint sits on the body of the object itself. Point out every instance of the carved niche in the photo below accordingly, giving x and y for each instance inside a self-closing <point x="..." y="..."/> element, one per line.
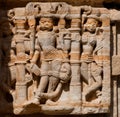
<point x="55" y="59"/>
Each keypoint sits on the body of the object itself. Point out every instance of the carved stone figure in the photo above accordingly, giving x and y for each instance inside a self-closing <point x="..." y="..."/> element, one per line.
<point x="51" y="58"/>
<point x="91" y="68"/>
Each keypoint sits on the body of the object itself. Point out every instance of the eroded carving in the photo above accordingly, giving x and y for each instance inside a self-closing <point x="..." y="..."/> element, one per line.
<point x="58" y="54"/>
<point x="91" y="67"/>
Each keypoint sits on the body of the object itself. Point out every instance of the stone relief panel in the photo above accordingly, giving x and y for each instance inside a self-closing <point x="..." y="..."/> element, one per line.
<point x="56" y="59"/>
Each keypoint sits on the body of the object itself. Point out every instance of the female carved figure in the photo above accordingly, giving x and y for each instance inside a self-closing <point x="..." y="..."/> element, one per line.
<point x="91" y="71"/>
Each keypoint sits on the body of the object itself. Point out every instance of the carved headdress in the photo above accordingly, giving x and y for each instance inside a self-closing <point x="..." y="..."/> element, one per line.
<point x="95" y="15"/>
<point x="19" y="13"/>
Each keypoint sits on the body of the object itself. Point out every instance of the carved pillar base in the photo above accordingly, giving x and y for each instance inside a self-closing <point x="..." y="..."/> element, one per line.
<point x="21" y="93"/>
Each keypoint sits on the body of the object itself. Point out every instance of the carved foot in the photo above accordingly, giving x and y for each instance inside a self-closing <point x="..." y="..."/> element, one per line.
<point x="96" y="101"/>
<point x="83" y="97"/>
<point x="50" y="102"/>
<point x="34" y="101"/>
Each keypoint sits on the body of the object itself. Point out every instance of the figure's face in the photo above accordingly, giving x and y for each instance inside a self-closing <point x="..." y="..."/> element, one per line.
<point x="91" y="25"/>
<point x="46" y="24"/>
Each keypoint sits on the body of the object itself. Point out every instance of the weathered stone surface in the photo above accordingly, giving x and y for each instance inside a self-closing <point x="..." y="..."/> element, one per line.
<point x="115" y="65"/>
<point x="7" y="4"/>
<point x="56" y="54"/>
<point x="59" y="57"/>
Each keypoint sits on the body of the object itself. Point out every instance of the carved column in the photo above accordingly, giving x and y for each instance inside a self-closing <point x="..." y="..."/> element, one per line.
<point x="116" y="59"/>
<point x="114" y="92"/>
<point x="75" y="84"/>
<point x="106" y="58"/>
<point x="21" y="87"/>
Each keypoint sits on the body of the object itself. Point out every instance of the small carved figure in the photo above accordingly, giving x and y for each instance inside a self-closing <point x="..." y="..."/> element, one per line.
<point x="91" y="71"/>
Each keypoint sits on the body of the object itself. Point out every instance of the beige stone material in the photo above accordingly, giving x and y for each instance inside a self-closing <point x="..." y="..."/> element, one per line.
<point x="56" y="58"/>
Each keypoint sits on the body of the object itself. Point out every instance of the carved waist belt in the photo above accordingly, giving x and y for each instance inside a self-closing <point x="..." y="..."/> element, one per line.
<point x="87" y="58"/>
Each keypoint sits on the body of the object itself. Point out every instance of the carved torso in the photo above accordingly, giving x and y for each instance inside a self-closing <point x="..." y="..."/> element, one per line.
<point x="47" y="42"/>
<point x="88" y="42"/>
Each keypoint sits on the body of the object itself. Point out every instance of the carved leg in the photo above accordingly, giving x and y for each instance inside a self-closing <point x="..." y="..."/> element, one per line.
<point x="97" y="76"/>
<point x="94" y="86"/>
<point x="41" y="88"/>
<point x="53" y="82"/>
<point x="44" y="77"/>
<point x="84" y="71"/>
<point x="42" y="84"/>
<point x="54" y="94"/>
